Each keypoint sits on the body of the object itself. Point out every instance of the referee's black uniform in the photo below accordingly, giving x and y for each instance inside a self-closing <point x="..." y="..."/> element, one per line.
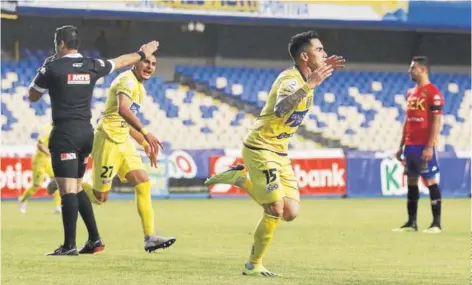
<point x="70" y="81"/>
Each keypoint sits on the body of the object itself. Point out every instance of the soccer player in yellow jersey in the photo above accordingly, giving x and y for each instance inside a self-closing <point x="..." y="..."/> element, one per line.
<point x="41" y="167"/>
<point x="272" y="183"/>
<point x="114" y="153"/>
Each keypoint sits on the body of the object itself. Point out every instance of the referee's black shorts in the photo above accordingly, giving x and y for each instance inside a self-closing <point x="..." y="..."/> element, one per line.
<point x="70" y="145"/>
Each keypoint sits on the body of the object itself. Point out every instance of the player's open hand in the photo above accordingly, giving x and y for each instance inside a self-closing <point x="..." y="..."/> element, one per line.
<point x="154" y="143"/>
<point x="319" y="75"/>
<point x="427" y="154"/>
<point x="336" y="61"/>
<point x="149" y="48"/>
<point x="151" y="155"/>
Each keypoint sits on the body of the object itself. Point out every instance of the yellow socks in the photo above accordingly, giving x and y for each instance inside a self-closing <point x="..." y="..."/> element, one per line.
<point x="28" y="193"/>
<point x="263" y="237"/>
<point x="57" y="199"/>
<point x="144" y="203"/>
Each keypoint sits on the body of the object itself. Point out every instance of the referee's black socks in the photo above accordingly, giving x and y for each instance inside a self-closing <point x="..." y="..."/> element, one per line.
<point x="435" y="196"/>
<point x="70" y="208"/>
<point x="412" y="202"/>
<point x="86" y="212"/>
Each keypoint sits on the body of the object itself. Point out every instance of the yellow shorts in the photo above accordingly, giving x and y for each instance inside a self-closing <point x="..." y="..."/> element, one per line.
<point x="272" y="176"/>
<point x="41" y="167"/>
<point x="110" y="159"/>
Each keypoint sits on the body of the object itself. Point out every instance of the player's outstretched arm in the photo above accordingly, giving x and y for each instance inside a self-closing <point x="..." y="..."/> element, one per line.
<point x="132" y="58"/>
<point x="287" y="103"/>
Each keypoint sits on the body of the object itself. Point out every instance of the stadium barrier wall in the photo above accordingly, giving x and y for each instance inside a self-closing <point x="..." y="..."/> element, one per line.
<point x="320" y="173"/>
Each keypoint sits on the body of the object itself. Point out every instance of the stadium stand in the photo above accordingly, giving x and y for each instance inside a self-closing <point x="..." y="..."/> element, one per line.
<point x="362" y="110"/>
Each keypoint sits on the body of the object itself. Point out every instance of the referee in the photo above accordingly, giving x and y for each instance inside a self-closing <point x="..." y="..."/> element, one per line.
<point x="70" y="79"/>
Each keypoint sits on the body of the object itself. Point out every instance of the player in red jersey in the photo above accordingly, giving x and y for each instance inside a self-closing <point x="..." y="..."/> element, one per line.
<point x="420" y="135"/>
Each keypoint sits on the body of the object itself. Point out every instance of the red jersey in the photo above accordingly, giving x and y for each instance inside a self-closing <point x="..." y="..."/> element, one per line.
<point x="422" y="103"/>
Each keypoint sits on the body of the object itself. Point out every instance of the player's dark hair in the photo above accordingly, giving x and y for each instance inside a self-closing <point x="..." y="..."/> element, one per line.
<point x="69" y="35"/>
<point x="423" y="60"/>
<point x="299" y="41"/>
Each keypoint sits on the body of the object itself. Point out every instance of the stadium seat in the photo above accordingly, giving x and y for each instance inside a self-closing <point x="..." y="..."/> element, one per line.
<point x="361" y="109"/>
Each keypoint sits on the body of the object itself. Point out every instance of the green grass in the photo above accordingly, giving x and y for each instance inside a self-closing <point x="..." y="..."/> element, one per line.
<point x="332" y="242"/>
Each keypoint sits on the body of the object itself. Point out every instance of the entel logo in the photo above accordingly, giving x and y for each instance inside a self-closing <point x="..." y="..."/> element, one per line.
<point x="320" y="177"/>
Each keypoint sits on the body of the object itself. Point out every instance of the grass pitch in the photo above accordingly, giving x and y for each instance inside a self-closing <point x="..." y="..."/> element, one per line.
<point x="332" y="242"/>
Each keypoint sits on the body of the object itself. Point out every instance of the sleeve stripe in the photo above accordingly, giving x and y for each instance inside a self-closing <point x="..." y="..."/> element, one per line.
<point x="39" y="89"/>
<point x="112" y="65"/>
<point x="121" y="92"/>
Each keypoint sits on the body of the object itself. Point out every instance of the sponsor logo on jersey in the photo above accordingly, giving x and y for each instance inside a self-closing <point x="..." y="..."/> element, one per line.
<point x="296" y="118"/>
<point x="68" y="156"/>
<point x="284" y="136"/>
<point x="271" y="187"/>
<point x="414" y="104"/>
<point x="78" y="64"/>
<point x="73" y="78"/>
<point x="135" y="108"/>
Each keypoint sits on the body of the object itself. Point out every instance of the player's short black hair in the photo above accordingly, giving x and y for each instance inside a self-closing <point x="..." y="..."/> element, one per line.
<point x="69" y="35"/>
<point x="300" y="41"/>
<point x="423" y="60"/>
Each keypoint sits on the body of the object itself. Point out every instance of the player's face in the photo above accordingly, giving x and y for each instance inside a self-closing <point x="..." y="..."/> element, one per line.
<point x="316" y="55"/>
<point x="416" y="71"/>
<point x="146" y="67"/>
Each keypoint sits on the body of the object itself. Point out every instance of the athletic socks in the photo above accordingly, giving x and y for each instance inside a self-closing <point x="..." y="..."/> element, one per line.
<point x="70" y="208"/>
<point x="86" y="212"/>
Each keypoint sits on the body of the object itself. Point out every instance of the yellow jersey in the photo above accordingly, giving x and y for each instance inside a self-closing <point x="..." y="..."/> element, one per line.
<point x="111" y="123"/>
<point x="271" y="132"/>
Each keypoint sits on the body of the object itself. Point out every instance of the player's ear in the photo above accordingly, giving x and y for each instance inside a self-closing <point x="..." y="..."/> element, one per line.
<point x="304" y="56"/>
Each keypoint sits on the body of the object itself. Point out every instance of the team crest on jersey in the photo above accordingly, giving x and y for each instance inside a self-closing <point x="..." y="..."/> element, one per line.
<point x="296" y="118"/>
<point x="75" y="78"/>
<point x="135" y="108"/>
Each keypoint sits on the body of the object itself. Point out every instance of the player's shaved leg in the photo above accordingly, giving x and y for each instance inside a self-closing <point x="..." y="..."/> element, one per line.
<point x="70" y="209"/>
<point x="435" y="196"/>
<point x="291" y="209"/>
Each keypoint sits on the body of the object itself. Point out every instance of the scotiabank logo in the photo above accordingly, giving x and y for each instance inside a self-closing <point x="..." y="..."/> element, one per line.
<point x="320" y="175"/>
<point x="332" y="177"/>
<point x="73" y="78"/>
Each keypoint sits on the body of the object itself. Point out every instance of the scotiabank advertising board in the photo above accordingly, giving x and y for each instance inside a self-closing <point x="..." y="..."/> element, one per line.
<point x="319" y="173"/>
<point x="16" y="176"/>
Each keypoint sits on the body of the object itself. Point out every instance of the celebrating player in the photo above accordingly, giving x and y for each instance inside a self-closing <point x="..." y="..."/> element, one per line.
<point x="41" y="167"/>
<point x="272" y="182"/>
<point x="420" y="135"/>
<point x="114" y="153"/>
